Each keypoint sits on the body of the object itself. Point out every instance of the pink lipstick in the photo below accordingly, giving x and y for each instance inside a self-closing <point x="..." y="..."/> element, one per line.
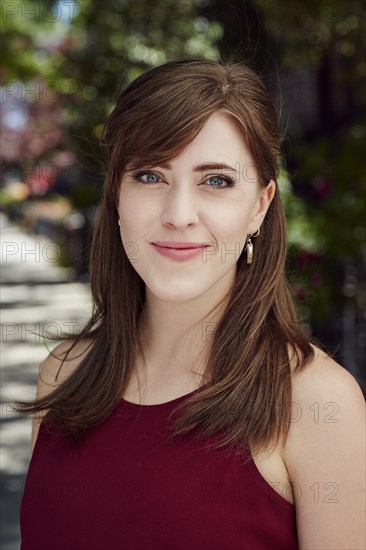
<point x="179" y="251"/>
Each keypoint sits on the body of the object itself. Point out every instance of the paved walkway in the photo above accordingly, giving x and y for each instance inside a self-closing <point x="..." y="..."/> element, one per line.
<point x="36" y="295"/>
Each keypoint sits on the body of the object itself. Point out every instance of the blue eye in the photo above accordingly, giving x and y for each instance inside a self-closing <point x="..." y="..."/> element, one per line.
<point x="151" y="178"/>
<point x="216" y="180"/>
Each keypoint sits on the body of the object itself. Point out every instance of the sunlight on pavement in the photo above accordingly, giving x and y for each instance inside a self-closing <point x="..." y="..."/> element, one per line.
<point x="39" y="301"/>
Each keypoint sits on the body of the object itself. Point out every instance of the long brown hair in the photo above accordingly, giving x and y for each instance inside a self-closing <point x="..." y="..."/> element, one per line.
<point x="257" y="342"/>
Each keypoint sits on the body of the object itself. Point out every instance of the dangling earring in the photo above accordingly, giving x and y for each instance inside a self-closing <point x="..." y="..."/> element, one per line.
<point x="250" y="247"/>
<point x="119" y="222"/>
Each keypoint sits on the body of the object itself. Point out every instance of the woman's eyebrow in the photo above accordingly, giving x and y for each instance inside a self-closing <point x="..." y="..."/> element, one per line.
<point x="203" y="166"/>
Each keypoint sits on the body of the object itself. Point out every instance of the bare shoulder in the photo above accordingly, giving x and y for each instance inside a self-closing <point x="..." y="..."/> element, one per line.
<point x="324" y="395"/>
<point x="325" y="453"/>
<point x="325" y="379"/>
<point x="50" y="374"/>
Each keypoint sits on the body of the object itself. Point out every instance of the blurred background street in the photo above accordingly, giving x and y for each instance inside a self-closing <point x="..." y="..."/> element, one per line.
<point x="37" y="296"/>
<point x="64" y="61"/>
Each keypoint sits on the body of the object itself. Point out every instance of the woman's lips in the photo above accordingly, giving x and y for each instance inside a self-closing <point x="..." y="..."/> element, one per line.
<point x="179" y="254"/>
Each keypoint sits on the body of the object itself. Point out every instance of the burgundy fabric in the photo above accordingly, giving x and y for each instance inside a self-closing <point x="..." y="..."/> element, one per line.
<point x="127" y="488"/>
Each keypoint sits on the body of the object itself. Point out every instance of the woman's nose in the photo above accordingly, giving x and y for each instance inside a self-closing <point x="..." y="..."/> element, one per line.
<point x="180" y="208"/>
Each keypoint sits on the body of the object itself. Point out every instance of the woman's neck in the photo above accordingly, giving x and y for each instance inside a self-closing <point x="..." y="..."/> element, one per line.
<point x="176" y="336"/>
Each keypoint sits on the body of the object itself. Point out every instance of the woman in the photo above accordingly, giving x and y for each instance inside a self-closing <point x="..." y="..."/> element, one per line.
<point x="192" y="413"/>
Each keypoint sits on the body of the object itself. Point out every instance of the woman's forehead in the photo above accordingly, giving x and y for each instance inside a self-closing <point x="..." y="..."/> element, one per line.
<point x="219" y="134"/>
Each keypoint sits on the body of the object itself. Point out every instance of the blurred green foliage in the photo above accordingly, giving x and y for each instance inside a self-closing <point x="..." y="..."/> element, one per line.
<point x="331" y="164"/>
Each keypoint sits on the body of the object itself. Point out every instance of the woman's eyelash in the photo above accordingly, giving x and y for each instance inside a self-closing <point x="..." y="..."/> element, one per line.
<point x="138" y="175"/>
<point x="230" y="182"/>
<point x="228" y="179"/>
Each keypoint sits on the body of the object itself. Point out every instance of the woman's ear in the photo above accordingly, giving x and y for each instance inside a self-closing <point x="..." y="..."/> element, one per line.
<point x="260" y="210"/>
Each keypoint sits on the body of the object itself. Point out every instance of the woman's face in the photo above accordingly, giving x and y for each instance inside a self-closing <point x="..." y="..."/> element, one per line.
<point x="190" y="201"/>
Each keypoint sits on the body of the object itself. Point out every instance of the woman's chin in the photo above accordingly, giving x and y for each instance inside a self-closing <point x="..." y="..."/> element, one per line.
<point x="176" y="294"/>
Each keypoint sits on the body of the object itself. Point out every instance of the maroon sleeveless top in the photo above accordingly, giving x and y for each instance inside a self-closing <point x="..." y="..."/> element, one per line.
<point x="127" y="488"/>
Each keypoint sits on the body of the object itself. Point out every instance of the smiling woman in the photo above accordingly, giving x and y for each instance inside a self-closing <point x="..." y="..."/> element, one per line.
<point x="174" y="422"/>
<point x="161" y="209"/>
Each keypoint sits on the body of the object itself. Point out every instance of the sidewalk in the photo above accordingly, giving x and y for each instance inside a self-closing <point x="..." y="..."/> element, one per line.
<point x="36" y="295"/>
